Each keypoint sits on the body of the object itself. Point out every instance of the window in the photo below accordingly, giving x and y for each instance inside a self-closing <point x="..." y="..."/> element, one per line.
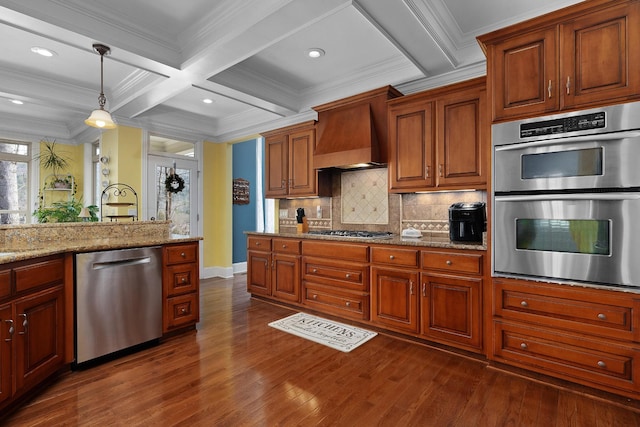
<point x="14" y="182"/>
<point x="159" y="144"/>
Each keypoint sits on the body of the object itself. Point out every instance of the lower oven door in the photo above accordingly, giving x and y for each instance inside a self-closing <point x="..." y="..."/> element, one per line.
<point x="578" y="237"/>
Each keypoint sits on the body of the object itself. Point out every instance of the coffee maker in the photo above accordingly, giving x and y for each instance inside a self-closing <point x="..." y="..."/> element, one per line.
<point x="467" y="221"/>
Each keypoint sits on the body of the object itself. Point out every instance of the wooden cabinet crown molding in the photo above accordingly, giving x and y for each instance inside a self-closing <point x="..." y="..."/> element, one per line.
<point x="290" y="129"/>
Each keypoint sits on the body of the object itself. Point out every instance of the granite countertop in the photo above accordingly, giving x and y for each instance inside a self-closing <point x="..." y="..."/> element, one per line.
<point x="23" y="242"/>
<point x="429" y="241"/>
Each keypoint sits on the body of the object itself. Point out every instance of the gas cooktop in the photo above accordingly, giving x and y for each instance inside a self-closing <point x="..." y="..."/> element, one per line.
<point x="354" y="234"/>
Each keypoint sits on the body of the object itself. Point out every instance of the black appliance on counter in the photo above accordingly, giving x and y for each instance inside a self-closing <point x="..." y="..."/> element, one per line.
<point x="467" y="221"/>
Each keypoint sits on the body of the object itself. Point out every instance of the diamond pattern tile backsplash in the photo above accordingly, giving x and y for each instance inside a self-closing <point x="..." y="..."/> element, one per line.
<point x="364" y="197"/>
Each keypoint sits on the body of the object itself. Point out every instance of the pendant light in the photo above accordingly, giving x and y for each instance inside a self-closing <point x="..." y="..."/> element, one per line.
<point x="101" y="118"/>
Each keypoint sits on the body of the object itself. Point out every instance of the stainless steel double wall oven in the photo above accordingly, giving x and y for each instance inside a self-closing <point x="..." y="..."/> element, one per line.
<point x="566" y="202"/>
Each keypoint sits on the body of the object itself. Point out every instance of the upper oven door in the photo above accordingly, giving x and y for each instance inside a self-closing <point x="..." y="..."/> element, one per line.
<point x="581" y="162"/>
<point x="588" y="237"/>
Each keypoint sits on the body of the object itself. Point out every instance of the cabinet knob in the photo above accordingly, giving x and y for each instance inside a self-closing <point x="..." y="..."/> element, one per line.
<point x="314" y="296"/>
<point x="347" y="275"/>
<point x="348" y="304"/>
<point x="184" y="280"/>
<point x="284" y="246"/>
<point x="315" y="270"/>
<point x="183" y="310"/>
<point x="257" y="243"/>
<point x="183" y="254"/>
<point x="524" y="346"/>
<point x="392" y="257"/>
<point x="448" y="262"/>
<point x="11" y="330"/>
<point x="602" y="316"/>
<point x="601" y="364"/>
<point x="524" y="304"/>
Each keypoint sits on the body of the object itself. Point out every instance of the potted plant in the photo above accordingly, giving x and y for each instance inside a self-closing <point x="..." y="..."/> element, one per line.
<point x="64" y="211"/>
<point x="54" y="160"/>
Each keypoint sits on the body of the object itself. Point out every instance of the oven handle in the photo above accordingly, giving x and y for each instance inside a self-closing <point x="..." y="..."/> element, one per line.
<point x="586" y="138"/>
<point x="574" y="196"/>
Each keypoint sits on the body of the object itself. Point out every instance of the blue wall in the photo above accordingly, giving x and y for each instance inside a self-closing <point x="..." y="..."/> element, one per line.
<point x="244" y="216"/>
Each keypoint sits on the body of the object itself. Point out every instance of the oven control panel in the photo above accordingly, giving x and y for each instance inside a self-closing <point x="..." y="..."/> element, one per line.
<point x="563" y="125"/>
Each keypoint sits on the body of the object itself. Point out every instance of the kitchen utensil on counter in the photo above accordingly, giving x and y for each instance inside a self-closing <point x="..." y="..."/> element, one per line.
<point x="303" y="225"/>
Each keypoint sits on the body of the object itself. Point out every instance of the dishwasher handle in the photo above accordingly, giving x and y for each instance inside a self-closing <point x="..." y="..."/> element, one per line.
<point x="120" y="263"/>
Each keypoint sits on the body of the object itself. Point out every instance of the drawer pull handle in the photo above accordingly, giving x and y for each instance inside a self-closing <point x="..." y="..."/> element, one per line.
<point x="424" y="289"/>
<point x="392" y="257"/>
<point x="284" y="246"/>
<point x="315" y="270"/>
<point x="348" y="304"/>
<point x="184" y="280"/>
<point x="602" y="316"/>
<point x="314" y="296"/>
<point x="183" y="255"/>
<point x="257" y="243"/>
<point x="601" y="364"/>
<point x="183" y="310"/>
<point x="448" y="262"/>
<point x="524" y="304"/>
<point x="11" y="330"/>
<point x="549" y="89"/>
<point x="25" y="323"/>
<point x="524" y="346"/>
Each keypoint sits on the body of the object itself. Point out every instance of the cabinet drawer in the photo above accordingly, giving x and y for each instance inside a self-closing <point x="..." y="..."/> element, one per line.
<point x="394" y="256"/>
<point x="342" y="251"/>
<point x="181" y="311"/>
<point x="342" y="303"/>
<point x="181" y="279"/>
<point x="573" y="357"/>
<point x="178" y="254"/>
<point x="286" y="246"/>
<point x="39" y="273"/>
<point x="452" y="262"/>
<point x="597" y="312"/>
<point x="259" y="243"/>
<point x="345" y="275"/>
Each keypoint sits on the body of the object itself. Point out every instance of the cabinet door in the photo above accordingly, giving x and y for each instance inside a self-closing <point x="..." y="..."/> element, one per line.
<point x="276" y="161"/>
<point x="7" y="335"/>
<point x="286" y="277"/>
<point x="258" y="277"/>
<point x="524" y="74"/>
<point x="411" y="147"/>
<point x="302" y="175"/>
<point x="394" y="301"/>
<point x="450" y="310"/>
<point x="599" y="56"/>
<point x="462" y="139"/>
<point x="39" y="337"/>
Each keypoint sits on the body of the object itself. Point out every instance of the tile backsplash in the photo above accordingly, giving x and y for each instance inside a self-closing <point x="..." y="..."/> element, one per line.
<point x="361" y="201"/>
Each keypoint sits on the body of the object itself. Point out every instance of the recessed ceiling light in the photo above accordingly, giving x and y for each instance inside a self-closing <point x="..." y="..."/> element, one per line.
<point x="207" y="101"/>
<point x="17" y="101"/>
<point x="42" y="51"/>
<point x="315" y="52"/>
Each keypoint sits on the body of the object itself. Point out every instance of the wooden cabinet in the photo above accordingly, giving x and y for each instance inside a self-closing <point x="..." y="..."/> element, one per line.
<point x="32" y="325"/>
<point x="589" y="336"/>
<point x="579" y="56"/>
<point x="336" y="278"/>
<point x="285" y="264"/>
<point x="273" y="268"/>
<point x="451" y="298"/>
<point x="180" y="286"/>
<point x="394" y="288"/>
<point x="289" y="167"/>
<point x="259" y="265"/>
<point x="430" y="148"/>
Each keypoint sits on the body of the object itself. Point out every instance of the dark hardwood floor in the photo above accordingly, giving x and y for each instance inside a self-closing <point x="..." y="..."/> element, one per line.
<point x="237" y="371"/>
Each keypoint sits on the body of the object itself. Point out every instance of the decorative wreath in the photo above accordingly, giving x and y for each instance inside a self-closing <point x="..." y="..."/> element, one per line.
<point x="173" y="183"/>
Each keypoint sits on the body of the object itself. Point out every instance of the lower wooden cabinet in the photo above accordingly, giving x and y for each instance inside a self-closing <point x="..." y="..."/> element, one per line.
<point x="394" y="298"/>
<point x="180" y="286"/>
<point x="585" y="335"/>
<point x="32" y="326"/>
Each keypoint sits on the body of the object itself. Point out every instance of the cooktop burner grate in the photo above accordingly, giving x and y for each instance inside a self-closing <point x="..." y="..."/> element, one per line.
<point x="354" y="233"/>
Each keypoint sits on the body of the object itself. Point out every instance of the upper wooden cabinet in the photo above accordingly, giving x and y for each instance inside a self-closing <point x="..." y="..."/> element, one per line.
<point x="583" y="55"/>
<point x="439" y="139"/>
<point x="289" y="163"/>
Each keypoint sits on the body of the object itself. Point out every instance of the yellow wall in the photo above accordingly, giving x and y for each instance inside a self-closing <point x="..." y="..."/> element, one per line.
<point x="74" y="155"/>
<point x="123" y="146"/>
<point x="217" y="208"/>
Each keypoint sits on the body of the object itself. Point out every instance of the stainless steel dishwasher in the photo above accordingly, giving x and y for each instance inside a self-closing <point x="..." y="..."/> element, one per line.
<point x="118" y="300"/>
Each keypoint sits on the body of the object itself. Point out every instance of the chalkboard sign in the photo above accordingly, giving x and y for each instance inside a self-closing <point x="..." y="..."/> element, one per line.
<point x="240" y="191"/>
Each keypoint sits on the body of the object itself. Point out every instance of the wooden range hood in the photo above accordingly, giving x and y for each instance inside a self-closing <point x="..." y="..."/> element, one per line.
<point x="353" y="131"/>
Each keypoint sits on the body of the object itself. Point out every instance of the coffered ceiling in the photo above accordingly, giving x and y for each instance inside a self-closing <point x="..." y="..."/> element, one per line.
<point x="249" y="57"/>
